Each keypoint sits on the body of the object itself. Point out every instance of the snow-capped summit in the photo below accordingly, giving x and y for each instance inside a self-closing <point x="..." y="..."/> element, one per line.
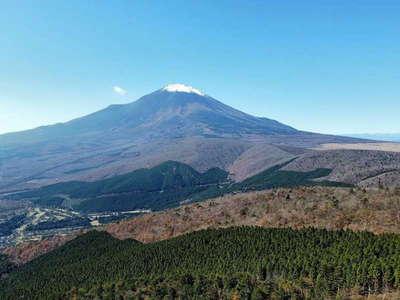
<point x="179" y="87"/>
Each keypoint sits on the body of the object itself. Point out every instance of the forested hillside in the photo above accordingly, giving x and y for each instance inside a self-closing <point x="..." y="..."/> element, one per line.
<point x="165" y="186"/>
<point x="5" y="265"/>
<point x="246" y="262"/>
<point x="156" y="188"/>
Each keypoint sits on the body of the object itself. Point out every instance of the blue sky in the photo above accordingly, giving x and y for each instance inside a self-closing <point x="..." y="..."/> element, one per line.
<point x="323" y="66"/>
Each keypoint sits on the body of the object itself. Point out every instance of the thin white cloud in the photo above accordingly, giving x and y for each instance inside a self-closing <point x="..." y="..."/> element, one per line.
<point x="120" y="90"/>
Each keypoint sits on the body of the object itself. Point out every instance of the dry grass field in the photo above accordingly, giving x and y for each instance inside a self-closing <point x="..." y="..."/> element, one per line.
<point x="391" y="147"/>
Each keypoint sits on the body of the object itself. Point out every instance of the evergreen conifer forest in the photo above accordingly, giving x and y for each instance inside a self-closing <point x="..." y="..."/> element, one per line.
<point x="242" y="262"/>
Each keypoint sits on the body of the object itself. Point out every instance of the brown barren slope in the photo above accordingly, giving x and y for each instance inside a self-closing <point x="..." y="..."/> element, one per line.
<point x="359" y="167"/>
<point x="384" y="146"/>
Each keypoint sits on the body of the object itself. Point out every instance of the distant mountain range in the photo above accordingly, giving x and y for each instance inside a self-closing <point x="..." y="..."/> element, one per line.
<point x="388" y="137"/>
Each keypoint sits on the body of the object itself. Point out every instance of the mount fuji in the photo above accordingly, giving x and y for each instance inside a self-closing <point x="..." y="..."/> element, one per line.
<point x="177" y="122"/>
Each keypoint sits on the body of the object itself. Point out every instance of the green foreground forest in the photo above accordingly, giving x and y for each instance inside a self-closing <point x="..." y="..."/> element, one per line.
<point x="241" y="262"/>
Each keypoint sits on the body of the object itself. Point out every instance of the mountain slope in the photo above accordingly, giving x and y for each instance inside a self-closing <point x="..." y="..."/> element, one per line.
<point x="361" y="167"/>
<point x="164" y="113"/>
<point x="174" y="123"/>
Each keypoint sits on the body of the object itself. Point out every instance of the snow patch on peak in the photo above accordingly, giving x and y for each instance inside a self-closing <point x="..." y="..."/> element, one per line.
<point x="178" y="87"/>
